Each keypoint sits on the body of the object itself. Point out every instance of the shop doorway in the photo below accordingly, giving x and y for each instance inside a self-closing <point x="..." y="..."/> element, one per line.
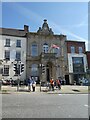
<point x="48" y="75"/>
<point x="67" y="79"/>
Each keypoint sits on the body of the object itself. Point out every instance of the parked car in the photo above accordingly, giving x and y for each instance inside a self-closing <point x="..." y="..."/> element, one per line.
<point x="14" y="82"/>
<point x="6" y="82"/>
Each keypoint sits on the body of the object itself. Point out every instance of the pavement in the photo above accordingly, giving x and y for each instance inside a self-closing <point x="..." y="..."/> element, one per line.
<point x="65" y="89"/>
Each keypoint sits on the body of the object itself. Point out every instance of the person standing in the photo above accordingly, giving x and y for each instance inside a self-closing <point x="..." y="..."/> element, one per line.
<point x="52" y="84"/>
<point x="33" y="85"/>
<point x="29" y="83"/>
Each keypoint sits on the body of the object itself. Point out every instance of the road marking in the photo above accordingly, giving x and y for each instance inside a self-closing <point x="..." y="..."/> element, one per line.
<point x="86" y="105"/>
<point x="59" y="94"/>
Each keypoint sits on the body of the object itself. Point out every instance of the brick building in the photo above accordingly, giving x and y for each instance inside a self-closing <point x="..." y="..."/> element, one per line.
<point x="77" y="61"/>
<point x="88" y="58"/>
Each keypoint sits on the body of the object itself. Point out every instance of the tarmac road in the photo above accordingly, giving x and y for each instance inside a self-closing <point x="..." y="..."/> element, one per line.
<point x="43" y="105"/>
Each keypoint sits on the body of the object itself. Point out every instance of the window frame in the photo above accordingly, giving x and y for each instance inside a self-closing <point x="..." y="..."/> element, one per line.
<point x="33" y="71"/>
<point x="80" y="50"/>
<point x="18" y="43"/>
<point x="7" y="42"/>
<point x="72" y="49"/>
<point x="16" y="57"/>
<point x="6" y="70"/>
<point x="7" y="57"/>
<point x="45" y="48"/>
<point x="34" y="51"/>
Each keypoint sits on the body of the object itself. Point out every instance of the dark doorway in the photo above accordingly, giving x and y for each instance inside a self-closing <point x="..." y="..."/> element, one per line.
<point x="48" y="75"/>
<point x="67" y="79"/>
<point x="76" y="78"/>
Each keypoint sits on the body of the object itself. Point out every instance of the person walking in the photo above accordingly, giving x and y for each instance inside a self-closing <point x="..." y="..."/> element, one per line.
<point x="58" y="84"/>
<point x="52" y="84"/>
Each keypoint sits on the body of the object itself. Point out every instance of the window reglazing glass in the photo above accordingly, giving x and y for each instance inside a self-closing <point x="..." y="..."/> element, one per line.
<point x="72" y="49"/>
<point x="45" y="48"/>
<point x="7" y="54"/>
<point x="18" y="43"/>
<point x="34" y="50"/>
<point x="6" y="69"/>
<point x="18" y="55"/>
<point x="78" y="64"/>
<point x="34" y="70"/>
<point x="80" y="49"/>
<point x="7" y="44"/>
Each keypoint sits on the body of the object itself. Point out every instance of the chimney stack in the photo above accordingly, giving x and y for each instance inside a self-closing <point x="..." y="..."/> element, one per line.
<point x="26" y="28"/>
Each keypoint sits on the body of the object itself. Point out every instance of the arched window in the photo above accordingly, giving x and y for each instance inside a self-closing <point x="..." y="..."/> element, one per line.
<point x="45" y="48"/>
<point x="34" y="50"/>
<point x="34" y="70"/>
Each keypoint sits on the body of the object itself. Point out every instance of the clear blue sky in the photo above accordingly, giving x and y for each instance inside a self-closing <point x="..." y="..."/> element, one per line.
<point x="69" y="18"/>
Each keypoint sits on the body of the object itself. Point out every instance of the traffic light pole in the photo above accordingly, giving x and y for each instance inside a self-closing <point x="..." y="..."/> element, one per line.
<point x="18" y="77"/>
<point x="18" y="68"/>
<point x="18" y="83"/>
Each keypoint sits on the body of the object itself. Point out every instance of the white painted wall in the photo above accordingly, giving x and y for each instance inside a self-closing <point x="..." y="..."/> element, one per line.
<point x="76" y="55"/>
<point x="13" y="50"/>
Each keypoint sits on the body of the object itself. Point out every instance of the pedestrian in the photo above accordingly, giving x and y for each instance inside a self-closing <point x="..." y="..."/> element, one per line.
<point x="58" y="84"/>
<point x="29" y="83"/>
<point x="52" y="84"/>
<point x="33" y="85"/>
<point x="11" y="82"/>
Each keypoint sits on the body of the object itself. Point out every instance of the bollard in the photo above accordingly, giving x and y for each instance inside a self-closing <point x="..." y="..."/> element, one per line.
<point x="0" y="85"/>
<point x="18" y="85"/>
<point x="40" y="86"/>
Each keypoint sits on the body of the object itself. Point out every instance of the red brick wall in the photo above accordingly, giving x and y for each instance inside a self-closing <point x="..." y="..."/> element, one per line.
<point x="76" y="44"/>
<point x="88" y="58"/>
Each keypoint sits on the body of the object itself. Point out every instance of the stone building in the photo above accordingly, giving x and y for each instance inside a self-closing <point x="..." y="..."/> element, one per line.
<point x="46" y="54"/>
<point x="43" y="53"/>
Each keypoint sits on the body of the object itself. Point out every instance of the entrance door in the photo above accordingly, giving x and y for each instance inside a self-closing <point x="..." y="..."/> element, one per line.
<point x="67" y="79"/>
<point x="76" y="78"/>
<point x="48" y="75"/>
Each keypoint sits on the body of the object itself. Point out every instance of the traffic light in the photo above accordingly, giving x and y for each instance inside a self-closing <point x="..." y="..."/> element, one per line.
<point x="43" y="69"/>
<point x="15" y="68"/>
<point x="22" y="67"/>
